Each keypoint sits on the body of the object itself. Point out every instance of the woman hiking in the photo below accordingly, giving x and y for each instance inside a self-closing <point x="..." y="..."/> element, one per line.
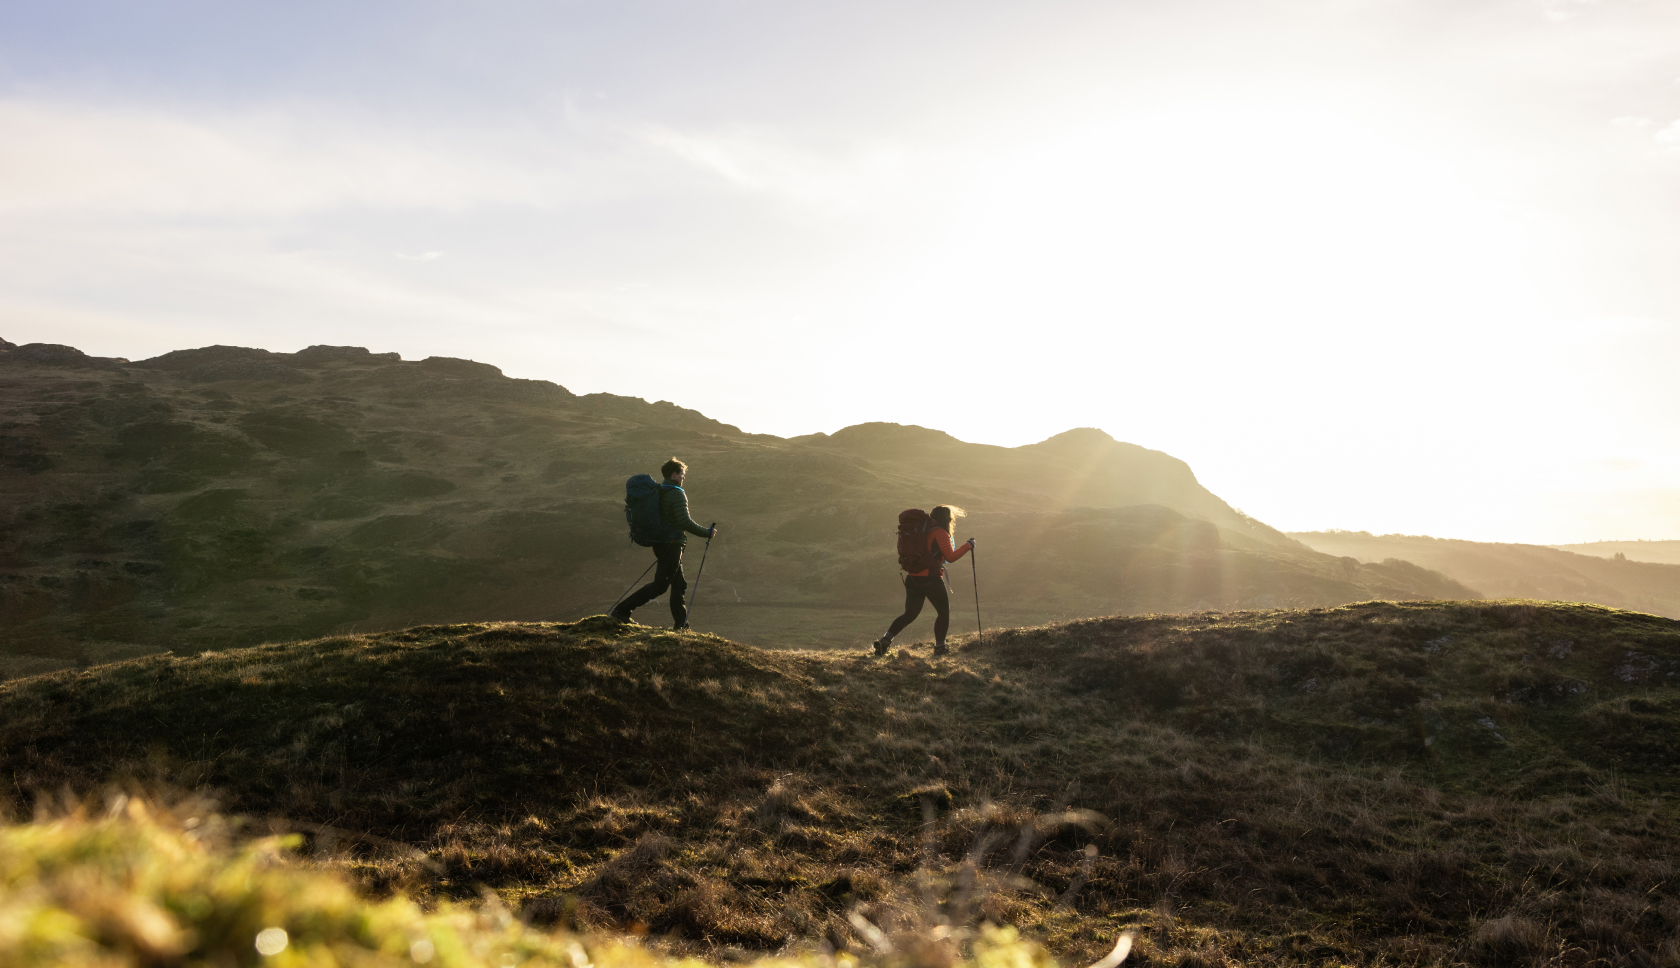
<point x="924" y="548"/>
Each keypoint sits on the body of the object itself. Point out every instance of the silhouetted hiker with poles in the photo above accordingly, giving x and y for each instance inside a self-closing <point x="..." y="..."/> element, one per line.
<point x="924" y="548"/>
<point x="658" y="516"/>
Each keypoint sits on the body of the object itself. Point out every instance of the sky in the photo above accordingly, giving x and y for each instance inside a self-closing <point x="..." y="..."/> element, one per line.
<point x="1403" y="267"/>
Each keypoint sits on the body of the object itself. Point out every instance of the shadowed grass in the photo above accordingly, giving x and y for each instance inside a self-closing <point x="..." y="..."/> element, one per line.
<point x="1416" y="783"/>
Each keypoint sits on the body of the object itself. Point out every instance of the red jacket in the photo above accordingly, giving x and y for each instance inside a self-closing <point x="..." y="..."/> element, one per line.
<point x="941" y="539"/>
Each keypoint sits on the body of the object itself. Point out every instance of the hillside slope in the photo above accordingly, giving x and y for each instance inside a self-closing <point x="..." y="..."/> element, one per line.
<point x="1379" y="783"/>
<point x="1658" y="552"/>
<point x="226" y="496"/>
<point x="1519" y="570"/>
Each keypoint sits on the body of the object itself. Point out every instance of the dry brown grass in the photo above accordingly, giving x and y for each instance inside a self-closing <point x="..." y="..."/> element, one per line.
<point x="136" y="885"/>
<point x="1261" y="788"/>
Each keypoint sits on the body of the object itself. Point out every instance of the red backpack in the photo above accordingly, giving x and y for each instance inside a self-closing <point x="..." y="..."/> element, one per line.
<point x="915" y="551"/>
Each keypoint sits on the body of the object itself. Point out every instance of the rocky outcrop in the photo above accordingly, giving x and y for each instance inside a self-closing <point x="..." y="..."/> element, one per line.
<point x="57" y="354"/>
<point x="246" y="362"/>
<point x="321" y="355"/>
<point x="205" y="356"/>
<point x="468" y="369"/>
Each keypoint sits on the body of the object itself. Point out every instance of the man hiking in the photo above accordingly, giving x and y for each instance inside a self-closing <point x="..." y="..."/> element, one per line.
<point x="666" y="534"/>
<point x="924" y="548"/>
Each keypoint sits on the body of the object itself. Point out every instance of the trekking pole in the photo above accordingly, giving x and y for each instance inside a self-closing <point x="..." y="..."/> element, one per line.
<point x="632" y="585"/>
<point x="973" y="563"/>
<point x="696" y="592"/>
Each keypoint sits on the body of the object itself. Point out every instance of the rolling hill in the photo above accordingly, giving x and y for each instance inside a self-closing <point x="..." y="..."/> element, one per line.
<point x="1519" y="570"/>
<point x="1413" y="783"/>
<point x="1658" y="552"/>
<point x="225" y="496"/>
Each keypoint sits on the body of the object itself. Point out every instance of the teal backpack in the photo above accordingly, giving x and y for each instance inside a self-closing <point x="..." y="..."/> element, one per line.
<point x="648" y="527"/>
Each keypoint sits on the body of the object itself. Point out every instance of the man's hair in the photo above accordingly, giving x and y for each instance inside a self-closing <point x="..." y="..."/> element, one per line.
<point x="672" y="468"/>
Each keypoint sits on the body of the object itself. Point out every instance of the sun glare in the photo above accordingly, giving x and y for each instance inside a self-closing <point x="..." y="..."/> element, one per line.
<point x="1221" y="217"/>
<point x="1181" y="265"/>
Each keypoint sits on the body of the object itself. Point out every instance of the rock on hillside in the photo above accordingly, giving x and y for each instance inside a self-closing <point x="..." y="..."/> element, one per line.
<point x="229" y="495"/>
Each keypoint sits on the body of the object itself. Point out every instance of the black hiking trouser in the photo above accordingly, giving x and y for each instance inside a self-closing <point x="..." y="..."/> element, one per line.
<point x="917" y="589"/>
<point x="669" y="574"/>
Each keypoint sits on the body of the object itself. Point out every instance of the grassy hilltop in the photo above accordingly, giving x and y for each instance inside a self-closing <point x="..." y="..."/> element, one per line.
<point x="226" y="496"/>
<point x="1372" y="784"/>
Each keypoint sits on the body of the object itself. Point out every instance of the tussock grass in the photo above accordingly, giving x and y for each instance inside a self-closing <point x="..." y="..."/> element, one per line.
<point x="1414" y="783"/>
<point x="138" y="886"/>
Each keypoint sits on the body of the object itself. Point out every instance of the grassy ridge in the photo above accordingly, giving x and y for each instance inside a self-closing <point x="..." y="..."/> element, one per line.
<point x="1409" y="783"/>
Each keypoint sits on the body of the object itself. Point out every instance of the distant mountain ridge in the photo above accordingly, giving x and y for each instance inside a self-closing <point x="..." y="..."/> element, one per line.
<point x="1519" y="570"/>
<point x="1656" y="552"/>
<point x="228" y="495"/>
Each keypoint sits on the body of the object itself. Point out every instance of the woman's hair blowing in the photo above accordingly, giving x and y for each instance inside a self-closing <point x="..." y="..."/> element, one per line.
<point x="946" y="514"/>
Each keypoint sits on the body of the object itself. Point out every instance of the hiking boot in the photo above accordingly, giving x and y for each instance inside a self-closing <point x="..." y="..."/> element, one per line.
<point x="620" y="616"/>
<point x="940" y="649"/>
<point x="882" y="644"/>
<point x="684" y="627"/>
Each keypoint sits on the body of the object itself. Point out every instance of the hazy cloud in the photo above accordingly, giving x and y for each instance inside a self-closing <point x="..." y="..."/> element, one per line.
<point x="839" y="181"/>
<point x="142" y="159"/>
<point x="1669" y="136"/>
<point x="1559" y="11"/>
